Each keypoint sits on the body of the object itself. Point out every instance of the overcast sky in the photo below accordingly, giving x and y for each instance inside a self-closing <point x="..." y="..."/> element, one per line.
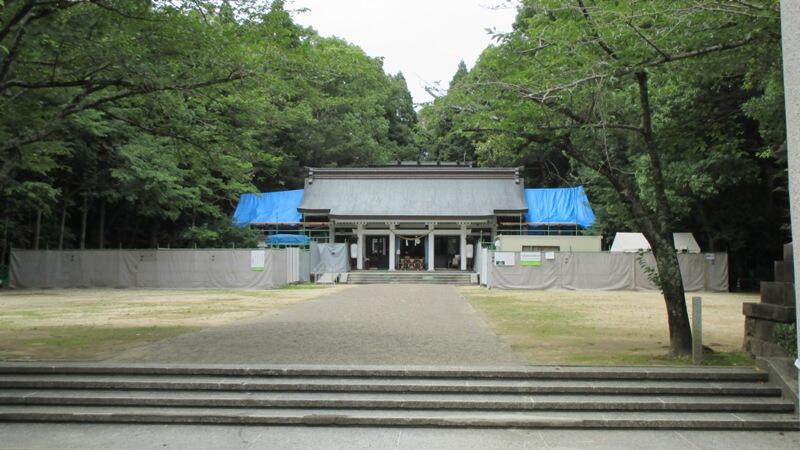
<point x="424" y="39"/>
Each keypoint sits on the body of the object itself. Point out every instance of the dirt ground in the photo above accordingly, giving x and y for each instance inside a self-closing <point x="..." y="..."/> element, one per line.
<point x="92" y="324"/>
<point x="587" y="327"/>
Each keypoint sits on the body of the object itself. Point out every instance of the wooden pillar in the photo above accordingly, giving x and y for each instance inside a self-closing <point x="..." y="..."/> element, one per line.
<point x="431" y="248"/>
<point x="360" y="254"/>
<point x="392" y="248"/>
<point x="463" y="248"/>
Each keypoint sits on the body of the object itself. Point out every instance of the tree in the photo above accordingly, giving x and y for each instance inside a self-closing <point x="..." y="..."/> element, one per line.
<point x="603" y="83"/>
<point x="140" y="123"/>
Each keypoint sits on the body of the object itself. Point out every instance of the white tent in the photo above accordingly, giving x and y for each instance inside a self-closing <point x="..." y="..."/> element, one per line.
<point x="685" y="243"/>
<point x="630" y="242"/>
<point x="635" y="242"/>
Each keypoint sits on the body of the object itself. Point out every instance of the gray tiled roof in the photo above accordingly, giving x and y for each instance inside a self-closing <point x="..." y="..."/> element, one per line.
<point x="413" y="193"/>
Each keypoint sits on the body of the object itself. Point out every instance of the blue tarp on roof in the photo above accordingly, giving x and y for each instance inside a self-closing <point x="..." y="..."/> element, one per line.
<point x="268" y="207"/>
<point x="287" y="239"/>
<point x="559" y="206"/>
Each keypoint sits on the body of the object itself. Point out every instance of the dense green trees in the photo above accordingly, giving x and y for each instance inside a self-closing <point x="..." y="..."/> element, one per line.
<point x="664" y="109"/>
<point x="138" y="123"/>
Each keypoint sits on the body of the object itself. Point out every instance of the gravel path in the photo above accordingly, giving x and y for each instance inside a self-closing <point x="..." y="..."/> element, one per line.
<point x="369" y="324"/>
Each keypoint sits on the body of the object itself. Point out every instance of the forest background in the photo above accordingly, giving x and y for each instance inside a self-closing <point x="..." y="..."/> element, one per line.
<point x="134" y="124"/>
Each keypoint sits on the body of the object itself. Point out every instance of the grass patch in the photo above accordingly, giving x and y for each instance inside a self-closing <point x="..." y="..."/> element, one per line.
<point x="533" y="319"/>
<point x="302" y="286"/>
<point x="92" y="324"/>
<point x="79" y="342"/>
<point x="634" y="359"/>
<point x="605" y="328"/>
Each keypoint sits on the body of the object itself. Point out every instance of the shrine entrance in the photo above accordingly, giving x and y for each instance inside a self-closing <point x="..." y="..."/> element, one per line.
<point x="411" y="252"/>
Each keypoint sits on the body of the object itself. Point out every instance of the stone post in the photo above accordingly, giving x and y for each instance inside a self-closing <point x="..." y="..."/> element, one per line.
<point x="697" y="330"/>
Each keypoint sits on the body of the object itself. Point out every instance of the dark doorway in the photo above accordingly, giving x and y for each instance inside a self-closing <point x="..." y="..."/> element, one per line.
<point x="376" y="253"/>
<point x="445" y="249"/>
<point x="411" y="253"/>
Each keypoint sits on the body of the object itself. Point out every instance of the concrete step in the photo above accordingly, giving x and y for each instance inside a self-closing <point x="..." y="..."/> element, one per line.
<point x="651" y="373"/>
<point x="411" y="418"/>
<point x="406" y="385"/>
<point x="482" y="402"/>
<point x="403" y="277"/>
<point x="540" y="397"/>
<point x="442" y="282"/>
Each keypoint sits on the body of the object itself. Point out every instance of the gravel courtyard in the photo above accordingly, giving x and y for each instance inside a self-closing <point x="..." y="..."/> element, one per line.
<point x="368" y="324"/>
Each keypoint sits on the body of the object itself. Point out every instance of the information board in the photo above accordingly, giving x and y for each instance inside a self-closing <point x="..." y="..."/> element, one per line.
<point x="503" y="258"/>
<point x="257" y="260"/>
<point x="530" y="258"/>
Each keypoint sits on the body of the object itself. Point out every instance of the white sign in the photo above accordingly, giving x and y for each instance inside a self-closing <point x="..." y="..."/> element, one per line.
<point x="530" y="258"/>
<point x="550" y="255"/>
<point x="503" y="258"/>
<point x="257" y="260"/>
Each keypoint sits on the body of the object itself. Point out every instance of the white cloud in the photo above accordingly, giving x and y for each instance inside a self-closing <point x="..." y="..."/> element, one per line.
<point x="423" y="39"/>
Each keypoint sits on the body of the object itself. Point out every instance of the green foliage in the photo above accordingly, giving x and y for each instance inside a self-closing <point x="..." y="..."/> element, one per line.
<point x="151" y="118"/>
<point x="560" y="94"/>
<point x="786" y="336"/>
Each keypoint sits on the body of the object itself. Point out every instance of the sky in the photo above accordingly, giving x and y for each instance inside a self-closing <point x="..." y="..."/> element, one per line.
<point x="424" y="39"/>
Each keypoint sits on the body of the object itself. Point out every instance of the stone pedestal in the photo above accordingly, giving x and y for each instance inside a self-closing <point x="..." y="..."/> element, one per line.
<point x="777" y="306"/>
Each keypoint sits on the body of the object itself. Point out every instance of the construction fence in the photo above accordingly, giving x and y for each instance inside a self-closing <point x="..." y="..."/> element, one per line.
<point x="596" y="271"/>
<point x="162" y="268"/>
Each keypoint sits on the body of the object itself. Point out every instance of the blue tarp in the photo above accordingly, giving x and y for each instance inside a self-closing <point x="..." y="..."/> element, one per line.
<point x="268" y="207"/>
<point x="559" y="206"/>
<point x="287" y="239"/>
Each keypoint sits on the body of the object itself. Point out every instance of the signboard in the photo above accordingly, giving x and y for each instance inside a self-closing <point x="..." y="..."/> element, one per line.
<point x="503" y="258"/>
<point x="530" y="258"/>
<point x="550" y="255"/>
<point x="257" y="260"/>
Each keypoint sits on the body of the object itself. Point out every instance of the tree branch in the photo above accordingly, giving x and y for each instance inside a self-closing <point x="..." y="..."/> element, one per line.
<point x="77" y="104"/>
<point x="596" y="34"/>
<point x="663" y="208"/>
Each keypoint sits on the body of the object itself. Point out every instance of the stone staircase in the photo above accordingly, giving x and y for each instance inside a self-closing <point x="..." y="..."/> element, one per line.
<point x="408" y="277"/>
<point x="529" y="397"/>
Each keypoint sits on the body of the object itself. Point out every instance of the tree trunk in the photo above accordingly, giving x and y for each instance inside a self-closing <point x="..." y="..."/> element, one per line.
<point x="155" y="224"/>
<point x="84" y="216"/>
<point x="671" y="284"/>
<point x="38" y="230"/>
<point x="62" y="224"/>
<point x="102" y="225"/>
<point x="5" y="242"/>
<point x="658" y="231"/>
<point x="135" y="232"/>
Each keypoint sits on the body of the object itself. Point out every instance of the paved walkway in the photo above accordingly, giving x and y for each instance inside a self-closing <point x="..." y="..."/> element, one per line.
<point x="197" y="437"/>
<point x="368" y="324"/>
